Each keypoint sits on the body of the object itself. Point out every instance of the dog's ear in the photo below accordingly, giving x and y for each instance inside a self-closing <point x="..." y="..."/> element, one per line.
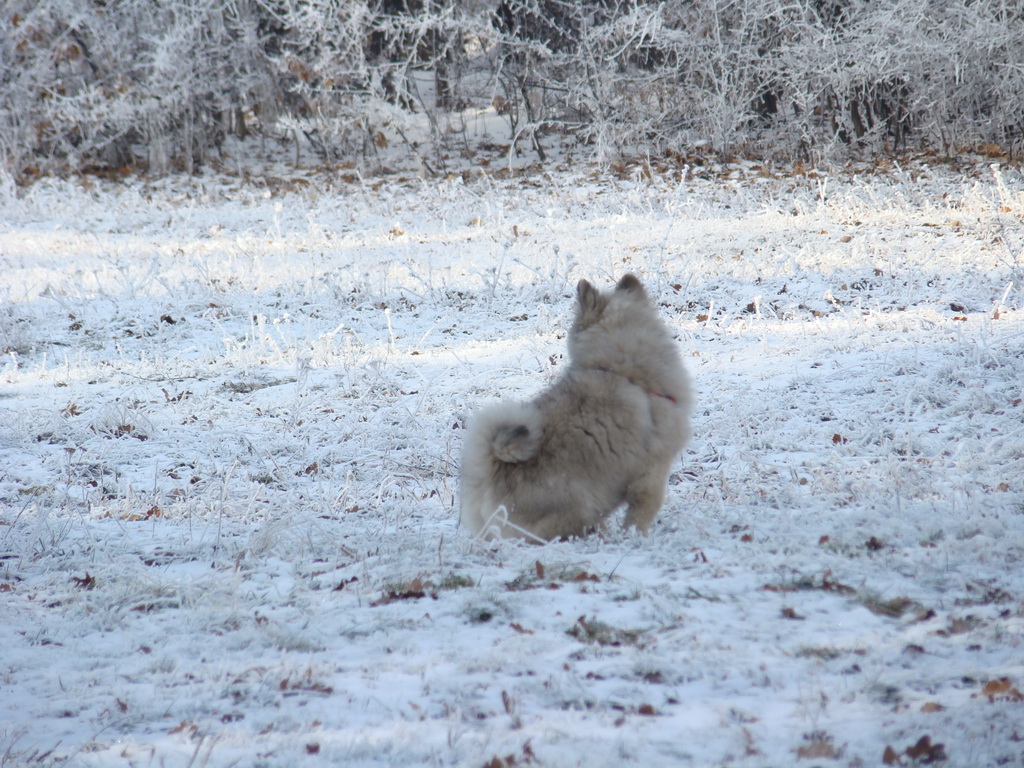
<point x="629" y="283"/>
<point x="587" y="295"/>
<point x="590" y="304"/>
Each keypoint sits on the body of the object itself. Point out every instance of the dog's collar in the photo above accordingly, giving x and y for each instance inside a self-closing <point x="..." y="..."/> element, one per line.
<point x="651" y="392"/>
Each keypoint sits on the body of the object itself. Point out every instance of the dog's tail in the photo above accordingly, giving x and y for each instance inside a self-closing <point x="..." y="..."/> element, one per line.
<point x="509" y="432"/>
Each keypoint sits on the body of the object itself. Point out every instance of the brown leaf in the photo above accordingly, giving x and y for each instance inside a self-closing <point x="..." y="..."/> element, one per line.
<point x="539" y="568"/>
<point x="831" y="585"/>
<point x="1003" y="690"/>
<point x="820" y="745"/>
<point x="345" y="582"/>
<point x="646" y="709"/>
<point x="789" y="613"/>
<point x="932" y="706"/>
<point x="890" y="757"/>
<point x="838" y="439"/>
<point x="86" y="582"/>
<point x="519" y="628"/>
<point x="414" y="590"/>
<point x="926" y="752"/>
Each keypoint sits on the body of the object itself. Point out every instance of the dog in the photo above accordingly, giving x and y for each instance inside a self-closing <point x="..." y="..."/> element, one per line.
<point x="603" y="435"/>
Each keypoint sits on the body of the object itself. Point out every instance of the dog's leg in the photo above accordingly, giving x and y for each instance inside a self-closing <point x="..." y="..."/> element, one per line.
<point x="645" y="497"/>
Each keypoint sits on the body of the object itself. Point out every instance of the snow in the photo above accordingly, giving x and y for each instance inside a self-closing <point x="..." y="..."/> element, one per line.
<point x="231" y="411"/>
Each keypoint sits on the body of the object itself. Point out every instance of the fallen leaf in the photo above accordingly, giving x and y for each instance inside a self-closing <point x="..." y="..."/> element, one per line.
<point x="1003" y="690"/>
<point x="926" y="752"/>
<point x="831" y="585"/>
<point x="86" y="582"/>
<point x="183" y="727"/>
<point x="890" y="756"/>
<point x="932" y="706"/>
<point x="414" y="590"/>
<point x="345" y="582"/>
<point x="820" y="745"/>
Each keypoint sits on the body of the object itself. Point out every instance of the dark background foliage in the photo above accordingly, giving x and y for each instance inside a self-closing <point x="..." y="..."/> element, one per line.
<point x="161" y="84"/>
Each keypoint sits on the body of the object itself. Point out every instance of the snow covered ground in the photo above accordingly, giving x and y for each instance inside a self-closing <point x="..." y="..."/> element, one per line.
<point x="230" y="420"/>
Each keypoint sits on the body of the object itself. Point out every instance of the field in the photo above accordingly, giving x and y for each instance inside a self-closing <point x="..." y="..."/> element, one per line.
<point x="231" y="412"/>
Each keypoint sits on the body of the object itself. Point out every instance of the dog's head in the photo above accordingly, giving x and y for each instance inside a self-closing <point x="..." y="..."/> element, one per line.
<point x="592" y="304"/>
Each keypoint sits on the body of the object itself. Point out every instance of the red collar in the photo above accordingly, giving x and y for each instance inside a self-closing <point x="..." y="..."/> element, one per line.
<point x="652" y="393"/>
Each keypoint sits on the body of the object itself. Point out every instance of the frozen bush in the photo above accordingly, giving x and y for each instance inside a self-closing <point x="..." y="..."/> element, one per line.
<point x="160" y="83"/>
